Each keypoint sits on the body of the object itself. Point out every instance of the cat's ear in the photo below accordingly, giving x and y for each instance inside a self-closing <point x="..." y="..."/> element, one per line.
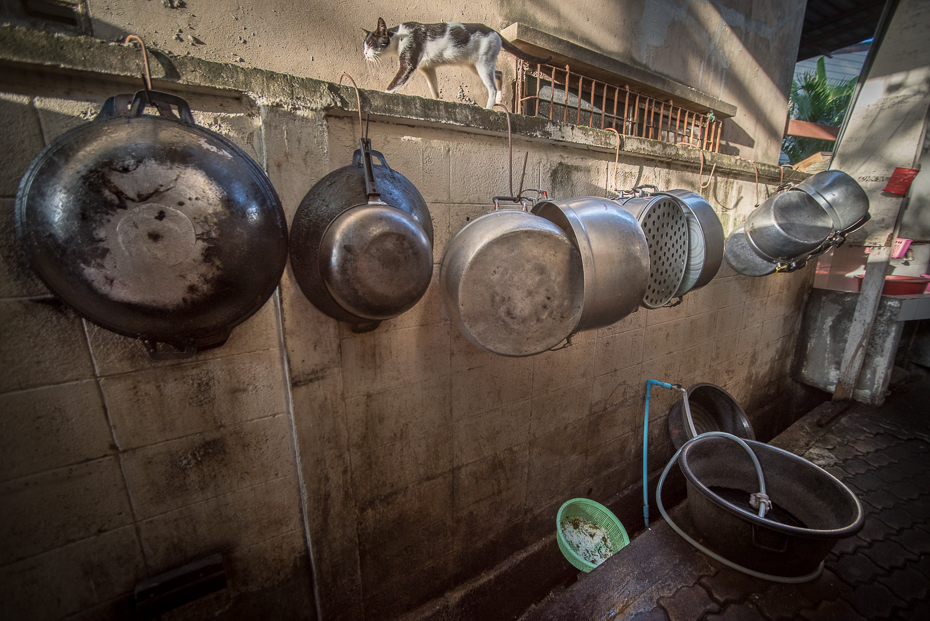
<point x="382" y="27"/>
<point x="367" y="32"/>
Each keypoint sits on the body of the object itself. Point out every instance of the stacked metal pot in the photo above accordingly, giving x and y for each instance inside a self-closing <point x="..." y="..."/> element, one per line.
<point x="801" y="222"/>
<point x="520" y="282"/>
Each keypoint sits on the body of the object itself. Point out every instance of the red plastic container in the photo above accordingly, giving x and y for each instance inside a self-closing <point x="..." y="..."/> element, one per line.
<point x="900" y="285"/>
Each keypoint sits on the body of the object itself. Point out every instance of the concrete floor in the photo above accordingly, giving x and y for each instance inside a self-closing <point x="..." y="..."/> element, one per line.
<point x="883" y="572"/>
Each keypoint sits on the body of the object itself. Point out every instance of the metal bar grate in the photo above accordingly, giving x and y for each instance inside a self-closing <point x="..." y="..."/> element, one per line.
<point x="550" y="92"/>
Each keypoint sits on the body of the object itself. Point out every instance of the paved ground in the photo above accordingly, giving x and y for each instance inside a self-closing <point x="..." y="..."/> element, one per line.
<point x="882" y="454"/>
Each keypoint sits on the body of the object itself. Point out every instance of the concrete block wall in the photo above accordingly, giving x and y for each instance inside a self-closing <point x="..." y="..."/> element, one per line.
<point x="354" y="475"/>
<point x="116" y="467"/>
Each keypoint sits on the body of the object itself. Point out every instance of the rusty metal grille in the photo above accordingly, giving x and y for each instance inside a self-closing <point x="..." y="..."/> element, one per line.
<point x="563" y="95"/>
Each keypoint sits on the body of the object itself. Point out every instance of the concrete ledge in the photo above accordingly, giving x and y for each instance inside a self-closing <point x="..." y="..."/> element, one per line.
<point x="35" y="55"/>
<point x="605" y="68"/>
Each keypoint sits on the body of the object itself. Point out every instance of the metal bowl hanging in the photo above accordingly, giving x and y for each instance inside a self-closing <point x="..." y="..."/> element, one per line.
<point x="513" y="282"/>
<point x="152" y="226"/>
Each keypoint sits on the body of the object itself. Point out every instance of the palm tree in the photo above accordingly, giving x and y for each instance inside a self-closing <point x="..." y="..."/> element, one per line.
<point x="815" y="99"/>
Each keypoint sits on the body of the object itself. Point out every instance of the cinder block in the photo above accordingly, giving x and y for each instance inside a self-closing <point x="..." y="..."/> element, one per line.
<point x="405" y="530"/>
<point x="296" y="149"/>
<point x="618" y="351"/>
<point x="700" y="328"/>
<point x="229" y="522"/>
<point x="725" y="348"/>
<point x="311" y="338"/>
<point x="564" y="367"/>
<point x="22" y="140"/>
<point x="502" y="381"/>
<point x="115" y="354"/>
<point x="437" y="169"/>
<point x="81" y="575"/>
<point x="57" y="116"/>
<point x="388" y="469"/>
<point x="548" y="450"/>
<point x="608" y="455"/>
<point x="488" y="477"/>
<point x="756" y="310"/>
<point x="750" y="338"/>
<point x="47" y="428"/>
<point x="17" y="279"/>
<point x="705" y="299"/>
<point x="481" y="169"/>
<point x="617" y="390"/>
<point x="393" y="415"/>
<point x="492" y="432"/>
<point x="729" y="321"/>
<point x="148" y="407"/>
<point x="45" y="511"/>
<point x="560" y="407"/>
<point x="42" y="342"/>
<point x="664" y="314"/>
<point x="173" y="474"/>
<point x="441" y="214"/>
<point x="664" y="338"/>
<point x="376" y="361"/>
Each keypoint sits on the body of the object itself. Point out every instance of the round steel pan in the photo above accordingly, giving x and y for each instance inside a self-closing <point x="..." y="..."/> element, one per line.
<point x="788" y="226"/>
<point x="513" y="283"/>
<point x="839" y="195"/>
<point x="743" y="257"/>
<point x="705" y="241"/>
<point x="614" y="254"/>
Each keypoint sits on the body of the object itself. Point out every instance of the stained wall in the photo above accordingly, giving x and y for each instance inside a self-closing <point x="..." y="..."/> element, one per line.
<point x="341" y="475"/>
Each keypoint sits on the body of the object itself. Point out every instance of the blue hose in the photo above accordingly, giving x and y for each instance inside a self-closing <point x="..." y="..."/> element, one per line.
<point x="649" y="385"/>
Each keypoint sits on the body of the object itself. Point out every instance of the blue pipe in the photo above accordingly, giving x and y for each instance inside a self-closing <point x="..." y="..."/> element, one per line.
<point x="649" y="385"/>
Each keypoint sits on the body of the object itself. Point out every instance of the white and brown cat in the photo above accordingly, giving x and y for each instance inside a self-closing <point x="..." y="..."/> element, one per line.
<point x="427" y="46"/>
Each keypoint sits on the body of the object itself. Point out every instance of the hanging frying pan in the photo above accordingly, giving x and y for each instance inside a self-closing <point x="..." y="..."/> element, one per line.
<point x="362" y="242"/>
<point x="152" y="226"/>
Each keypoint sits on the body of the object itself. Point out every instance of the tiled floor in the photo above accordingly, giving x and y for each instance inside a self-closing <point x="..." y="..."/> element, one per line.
<point x="882" y="454"/>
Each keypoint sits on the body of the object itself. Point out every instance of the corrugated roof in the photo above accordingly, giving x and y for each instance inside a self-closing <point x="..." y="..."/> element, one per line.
<point x="833" y="24"/>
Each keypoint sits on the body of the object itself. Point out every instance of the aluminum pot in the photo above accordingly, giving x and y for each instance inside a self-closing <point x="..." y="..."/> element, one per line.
<point x="839" y="195"/>
<point x="705" y="241"/>
<point x="362" y="242"/>
<point x="152" y="226"/>
<point x="614" y="255"/>
<point x="513" y="283"/>
<point x="743" y="257"/>
<point x="788" y="226"/>
<point x="665" y="225"/>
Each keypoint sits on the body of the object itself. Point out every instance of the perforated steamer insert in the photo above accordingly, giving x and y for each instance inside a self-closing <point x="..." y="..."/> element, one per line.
<point x="666" y="227"/>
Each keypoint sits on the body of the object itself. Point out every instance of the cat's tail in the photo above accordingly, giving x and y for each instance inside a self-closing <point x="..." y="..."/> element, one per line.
<point x="513" y="49"/>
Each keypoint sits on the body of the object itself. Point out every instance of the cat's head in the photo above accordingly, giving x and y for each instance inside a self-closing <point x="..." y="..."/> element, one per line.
<point x="376" y="42"/>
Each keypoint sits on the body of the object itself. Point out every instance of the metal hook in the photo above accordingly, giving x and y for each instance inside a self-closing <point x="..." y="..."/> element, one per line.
<point x="358" y="99"/>
<point x="147" y="77"/>
<point x="701" y="173"/>
<point x="510" y="151"/>
<point x="616" y="157"/>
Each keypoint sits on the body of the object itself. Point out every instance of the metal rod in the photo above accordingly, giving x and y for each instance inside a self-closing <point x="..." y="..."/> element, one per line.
<point x="635" y="115"/>
<point x="509" y="146"/>
<point x="147" y="76"/>
<point x="677" y="121"/>
<point x="552" y="93"/>
<point x="626" y="110"/>
<point x="568" y="72"/>
<point x="580" y="92"/>
<point x="603" y="106"/>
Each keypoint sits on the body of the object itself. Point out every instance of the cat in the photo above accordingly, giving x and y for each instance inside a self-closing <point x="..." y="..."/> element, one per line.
<point x="426" y="46"/>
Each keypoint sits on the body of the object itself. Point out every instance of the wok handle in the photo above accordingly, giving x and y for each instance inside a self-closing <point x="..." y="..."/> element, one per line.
<point x="157" y="98"/>
<point x="184" y="347"/>
<point x="188" y="351"/>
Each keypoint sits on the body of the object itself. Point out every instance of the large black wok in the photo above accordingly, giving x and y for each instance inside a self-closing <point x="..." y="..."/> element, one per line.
<point x="153" y="227"/>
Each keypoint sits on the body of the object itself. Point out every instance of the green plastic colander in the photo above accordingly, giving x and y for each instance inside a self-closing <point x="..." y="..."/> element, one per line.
<point x="596" y="514"/>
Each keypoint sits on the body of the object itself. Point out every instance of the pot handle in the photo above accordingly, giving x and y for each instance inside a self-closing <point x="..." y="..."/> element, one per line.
<point x="156" y="98"/>
<point x="357" y="158"/>
<point x="188" y="350"/>
<point x="514" y="199"/>
<point x="115" y="106"/>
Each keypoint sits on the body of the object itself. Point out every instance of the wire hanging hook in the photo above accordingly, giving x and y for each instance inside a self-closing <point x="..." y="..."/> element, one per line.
<point x="509" y="146"/>
<point x="147" y="77"/>
<point x="701" y="173"/>
<point x="362" y="131"/>
<point x="616" y="157"/>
